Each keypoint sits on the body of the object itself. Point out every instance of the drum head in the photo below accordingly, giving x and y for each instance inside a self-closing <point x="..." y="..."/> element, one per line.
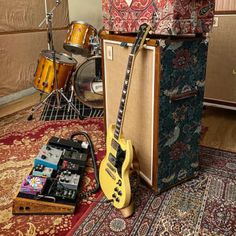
<point x="88" y="83"/>
<point x="61" y="58"/>
<point x="77" y="49"/>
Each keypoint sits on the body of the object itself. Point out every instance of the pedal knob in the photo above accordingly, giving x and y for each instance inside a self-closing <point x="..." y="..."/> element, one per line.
<point x="43" y="157"/>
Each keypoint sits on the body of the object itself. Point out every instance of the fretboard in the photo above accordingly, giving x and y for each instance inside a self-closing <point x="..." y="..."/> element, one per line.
<point x="125" y="91"/>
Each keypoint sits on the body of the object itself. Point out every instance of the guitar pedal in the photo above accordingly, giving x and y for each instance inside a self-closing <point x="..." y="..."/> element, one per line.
<point x="42" y="171"/>
<point x="69" y="180"/>
<point x="48" y="157"/>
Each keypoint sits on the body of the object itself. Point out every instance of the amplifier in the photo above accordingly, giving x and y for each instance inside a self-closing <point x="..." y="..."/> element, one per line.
<point x="164" y="106"/>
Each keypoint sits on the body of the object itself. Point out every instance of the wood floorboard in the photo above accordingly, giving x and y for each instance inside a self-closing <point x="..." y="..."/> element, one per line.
<point x="19" y="104"/>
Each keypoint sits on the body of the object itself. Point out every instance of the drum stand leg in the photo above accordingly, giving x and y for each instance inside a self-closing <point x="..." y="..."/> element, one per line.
<point x="39" y="105"/>
<point x="62" y="95"/>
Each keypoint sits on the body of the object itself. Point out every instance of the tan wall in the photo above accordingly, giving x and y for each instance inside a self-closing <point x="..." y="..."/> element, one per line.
<point x="19" y="54"/>
<point x="21" y="40"/>
<point x="19" y="15"/>
<point x="89" y="11"/>
<point x="225" y="5"/>
<point x="221" y="65"/>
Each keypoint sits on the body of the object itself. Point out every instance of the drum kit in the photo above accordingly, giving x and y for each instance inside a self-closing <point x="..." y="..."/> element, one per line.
<point x="58" y="73"/>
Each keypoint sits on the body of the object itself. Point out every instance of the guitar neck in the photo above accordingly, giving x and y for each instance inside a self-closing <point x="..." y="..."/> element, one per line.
<point x="140" y="39"/>
<point x="124" y="96"/>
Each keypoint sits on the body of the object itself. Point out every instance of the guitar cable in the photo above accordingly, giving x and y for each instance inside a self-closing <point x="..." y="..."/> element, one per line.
<point x="96" y="175"/>
<point x="97" y="187"/>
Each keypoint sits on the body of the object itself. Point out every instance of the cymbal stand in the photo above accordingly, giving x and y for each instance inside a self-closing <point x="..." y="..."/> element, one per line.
<point x="96" y="48"/>
<point x="58" y="92"/>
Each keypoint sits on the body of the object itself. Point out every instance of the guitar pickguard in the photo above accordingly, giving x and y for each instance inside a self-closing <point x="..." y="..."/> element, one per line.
<point x="118" y="160"/>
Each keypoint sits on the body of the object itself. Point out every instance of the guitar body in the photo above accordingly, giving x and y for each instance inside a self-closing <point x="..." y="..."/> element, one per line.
<point x="114" y="170"/>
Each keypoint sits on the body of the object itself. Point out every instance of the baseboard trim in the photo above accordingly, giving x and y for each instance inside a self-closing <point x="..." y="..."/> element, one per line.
<point x="15" y="96"/>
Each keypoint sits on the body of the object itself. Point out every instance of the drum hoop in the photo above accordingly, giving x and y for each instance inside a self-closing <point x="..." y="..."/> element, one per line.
<point x="74" y="45"/>
<point x="87" y="60"/>
<point x="74" y="77"/>
<point x="84" y="23"/>
<point x="57" y="61"/>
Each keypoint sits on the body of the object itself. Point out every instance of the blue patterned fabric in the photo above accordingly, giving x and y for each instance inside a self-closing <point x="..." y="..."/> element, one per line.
<point x="183" y="67"/>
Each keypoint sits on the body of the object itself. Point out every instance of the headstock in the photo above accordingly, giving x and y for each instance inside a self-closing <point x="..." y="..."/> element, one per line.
<point x="140" y="38"/>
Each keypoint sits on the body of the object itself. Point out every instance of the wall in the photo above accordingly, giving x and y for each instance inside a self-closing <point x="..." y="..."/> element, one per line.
<point x="225" y="5"/>
<point x="21" y="40"/>
<point x="89" y="11"/>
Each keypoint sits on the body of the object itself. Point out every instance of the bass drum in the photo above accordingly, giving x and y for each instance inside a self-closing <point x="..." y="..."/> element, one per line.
<point x="88" y="83"/>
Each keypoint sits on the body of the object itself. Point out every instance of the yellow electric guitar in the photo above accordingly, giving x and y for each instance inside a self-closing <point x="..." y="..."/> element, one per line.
<point x="115" y="167"/>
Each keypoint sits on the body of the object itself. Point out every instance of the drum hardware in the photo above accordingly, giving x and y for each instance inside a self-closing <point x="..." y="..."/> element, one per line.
<point x="52" y="56"/>
<point x="95" y="43"/>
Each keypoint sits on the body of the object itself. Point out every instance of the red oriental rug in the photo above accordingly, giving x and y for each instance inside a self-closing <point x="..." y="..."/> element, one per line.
<point x="20" y="141"/>
<point x="205" y="205"/>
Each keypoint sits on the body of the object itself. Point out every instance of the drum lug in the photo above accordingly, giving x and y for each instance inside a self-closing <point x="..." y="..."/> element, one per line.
<point x="45" y="84"/>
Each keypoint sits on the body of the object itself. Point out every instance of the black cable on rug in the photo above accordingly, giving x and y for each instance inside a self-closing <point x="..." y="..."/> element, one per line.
<point x="97" y="187"/>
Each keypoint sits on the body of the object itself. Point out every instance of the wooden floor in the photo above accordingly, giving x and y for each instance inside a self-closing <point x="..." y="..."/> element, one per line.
<point x="220" y="123"/>
<point x="19" y="104"/>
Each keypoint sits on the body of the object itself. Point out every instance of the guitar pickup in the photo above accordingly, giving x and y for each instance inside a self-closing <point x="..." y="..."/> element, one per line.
<point x="112" y="159"/>
<point x="111" y="167"/>
<point x="110" y="174"/>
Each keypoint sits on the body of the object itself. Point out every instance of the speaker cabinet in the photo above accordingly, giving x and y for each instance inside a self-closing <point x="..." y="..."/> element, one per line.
<point x="163" y="112"/>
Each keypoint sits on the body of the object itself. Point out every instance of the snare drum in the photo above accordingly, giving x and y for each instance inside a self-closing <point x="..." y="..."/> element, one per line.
<point x="44" y="75"/>
<point x="78" y="38"/>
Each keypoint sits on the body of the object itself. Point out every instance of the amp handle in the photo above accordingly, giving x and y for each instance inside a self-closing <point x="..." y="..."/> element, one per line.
<point x="184" y="95"/>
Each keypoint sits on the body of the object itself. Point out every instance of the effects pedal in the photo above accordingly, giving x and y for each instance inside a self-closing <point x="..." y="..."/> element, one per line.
<point x="42" y="171"/>
<point x="69" y="180"/>
<point x="68" y="144"/>
<point x="70" y="166"/>
<point x="48" y="157"/>
<point x="32" y="185"/>
<point x="75" y="156"/>
<point x="65" y="193"/>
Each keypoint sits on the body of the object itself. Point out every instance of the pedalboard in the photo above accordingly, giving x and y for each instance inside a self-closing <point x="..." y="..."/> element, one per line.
<point x="55" y="178"/>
